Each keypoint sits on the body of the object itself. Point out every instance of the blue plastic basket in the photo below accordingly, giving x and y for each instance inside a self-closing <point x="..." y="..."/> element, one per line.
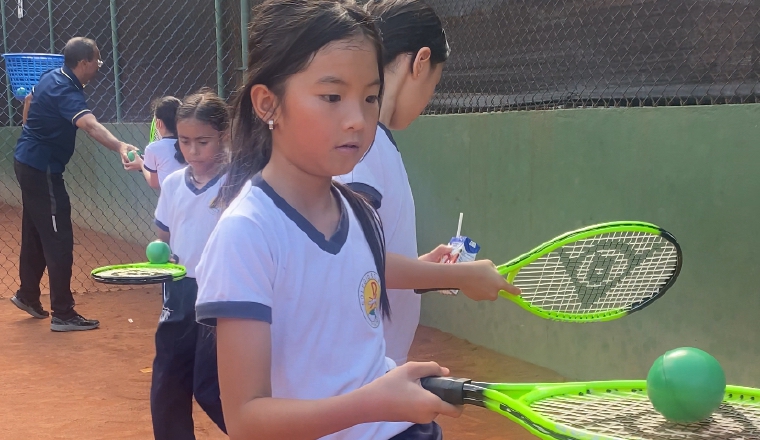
<point x="24" y="70"/>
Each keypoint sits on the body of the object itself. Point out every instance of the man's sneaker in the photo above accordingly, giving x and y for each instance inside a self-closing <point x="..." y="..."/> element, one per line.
<point x="77" y="323"/>
<point x="36" y="311"/>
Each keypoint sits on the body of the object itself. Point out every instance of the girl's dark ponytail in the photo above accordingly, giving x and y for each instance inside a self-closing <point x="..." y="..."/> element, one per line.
<point x="178" y="156"/>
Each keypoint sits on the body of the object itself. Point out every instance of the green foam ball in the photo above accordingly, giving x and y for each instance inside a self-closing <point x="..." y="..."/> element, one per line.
<point x="158" y="252"/>
<point x="686" y="385"/>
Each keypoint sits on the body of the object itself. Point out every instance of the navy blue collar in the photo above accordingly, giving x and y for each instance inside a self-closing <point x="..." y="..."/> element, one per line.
<point x="331" y="246"/>
<point x="191" y="185"/>
<point x="388" y="133"/>
<point x="70" y="74"/>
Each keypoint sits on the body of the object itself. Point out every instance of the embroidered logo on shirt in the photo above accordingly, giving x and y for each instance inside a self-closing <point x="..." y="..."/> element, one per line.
<point x="369" y="298"/>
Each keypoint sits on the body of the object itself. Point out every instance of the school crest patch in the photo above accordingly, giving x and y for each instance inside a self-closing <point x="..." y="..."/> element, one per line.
<point x="369" y="298"/>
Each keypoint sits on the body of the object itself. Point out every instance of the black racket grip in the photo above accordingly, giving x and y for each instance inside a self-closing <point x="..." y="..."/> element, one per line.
<point x="449" y="389"/>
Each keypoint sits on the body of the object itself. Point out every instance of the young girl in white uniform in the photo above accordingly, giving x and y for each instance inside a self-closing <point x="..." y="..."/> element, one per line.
<point x="185" y="362"/>
<point x="294" y="274"/>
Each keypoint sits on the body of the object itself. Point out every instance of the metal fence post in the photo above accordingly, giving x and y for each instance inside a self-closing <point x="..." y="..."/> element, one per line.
<point x="50" y="26"/>
<point x="8" y="93"/>
<point x="245" y="10"/>
<point x="219" y="51"/>
<point x="115" y="45"/>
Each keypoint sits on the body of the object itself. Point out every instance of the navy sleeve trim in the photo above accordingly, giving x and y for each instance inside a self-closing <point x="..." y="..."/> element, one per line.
<point x="79" y="116"/>
<point x="161" y="226"/>
<point x="149" y="170"/>
<point x="208" y="313"/>
<point x="374" y="196"/>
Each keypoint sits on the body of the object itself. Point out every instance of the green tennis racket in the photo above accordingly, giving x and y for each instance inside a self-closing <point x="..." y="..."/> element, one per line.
<point x="153" y="131"/>
<point x="138" y="273"/>
<point x="598" y="273"/>
<point x="615" y="410"/>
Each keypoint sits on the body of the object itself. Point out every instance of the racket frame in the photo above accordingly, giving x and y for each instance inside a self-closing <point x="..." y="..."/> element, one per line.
<point x="513" y="401"/>
<point x="511" y="268"/>
<point x="155" y="279"/>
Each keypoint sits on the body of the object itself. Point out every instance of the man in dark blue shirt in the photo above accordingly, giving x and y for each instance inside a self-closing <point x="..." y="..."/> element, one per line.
<point x="53" y="112"/>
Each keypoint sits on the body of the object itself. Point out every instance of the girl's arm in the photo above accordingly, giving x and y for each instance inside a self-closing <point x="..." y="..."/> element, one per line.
<point x="244" y="358"/>
<point x="151" y="178"/>
<point x="478" y="280"/>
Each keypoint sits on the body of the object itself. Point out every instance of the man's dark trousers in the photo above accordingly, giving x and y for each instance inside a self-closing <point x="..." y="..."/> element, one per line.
<point x="47" y="239"/>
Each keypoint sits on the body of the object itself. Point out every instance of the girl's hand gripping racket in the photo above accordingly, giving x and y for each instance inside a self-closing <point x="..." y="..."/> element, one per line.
<point x="598" y="273"/>
<point x="139" y="273"/>
<point x="614" y="410"/>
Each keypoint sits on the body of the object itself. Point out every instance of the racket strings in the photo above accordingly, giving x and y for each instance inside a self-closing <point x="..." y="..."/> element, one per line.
<point x="630" y="415"/>
<point x="606" y="272"/>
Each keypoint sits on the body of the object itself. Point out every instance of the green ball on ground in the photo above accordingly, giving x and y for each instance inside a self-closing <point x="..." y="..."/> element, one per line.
<point x="686" y="385"/>
<point x="158" y="252"/>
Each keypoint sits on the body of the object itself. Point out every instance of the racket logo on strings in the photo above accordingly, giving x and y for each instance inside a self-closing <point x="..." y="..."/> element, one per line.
<point x="601" y="267"/>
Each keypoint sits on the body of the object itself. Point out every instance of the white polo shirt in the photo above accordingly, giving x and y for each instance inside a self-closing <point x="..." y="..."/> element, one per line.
<point x="381" y="176"/>
<point x="186" y="213"/>
<point x="266" y="262"/>
<point x="159" y="158"/>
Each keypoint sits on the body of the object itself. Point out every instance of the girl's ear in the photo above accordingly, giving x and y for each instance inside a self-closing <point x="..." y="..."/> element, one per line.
<point x="265" y="102"/>
<point x="421" y="65"/>
<point x="159" y="124"/>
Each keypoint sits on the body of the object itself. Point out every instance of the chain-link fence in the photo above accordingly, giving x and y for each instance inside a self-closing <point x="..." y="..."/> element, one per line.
<point x="149" y="49"/>
<point x="542" y="54"/>
<point x="506" y="55"/>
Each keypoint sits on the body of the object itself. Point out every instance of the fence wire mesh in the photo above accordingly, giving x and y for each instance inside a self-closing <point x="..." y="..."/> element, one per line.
<point x="542" y="54"/>
<point x="506" y="55"/>
<point x="149" y="49"/>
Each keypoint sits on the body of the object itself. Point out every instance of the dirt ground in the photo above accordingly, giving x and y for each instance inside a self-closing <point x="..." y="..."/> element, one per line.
<point x="94" y="384"/>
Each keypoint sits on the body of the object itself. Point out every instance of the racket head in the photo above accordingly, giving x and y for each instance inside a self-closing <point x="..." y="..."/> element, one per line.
<point x="598" y="273"/>
<point x="610" y="410"/>
<point x="153" y="131"/>
<point x="138" y="273"/>
<point x="619" y="410"/>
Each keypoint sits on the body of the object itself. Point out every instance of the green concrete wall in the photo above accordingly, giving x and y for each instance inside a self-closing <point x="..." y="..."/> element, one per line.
<point x="522" y="178"/>
<point x="104" y="197"/>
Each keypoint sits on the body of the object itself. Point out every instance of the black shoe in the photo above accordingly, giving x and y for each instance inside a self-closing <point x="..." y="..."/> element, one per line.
<point x="77" y="323"/>
<point x="37" y="311"/>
